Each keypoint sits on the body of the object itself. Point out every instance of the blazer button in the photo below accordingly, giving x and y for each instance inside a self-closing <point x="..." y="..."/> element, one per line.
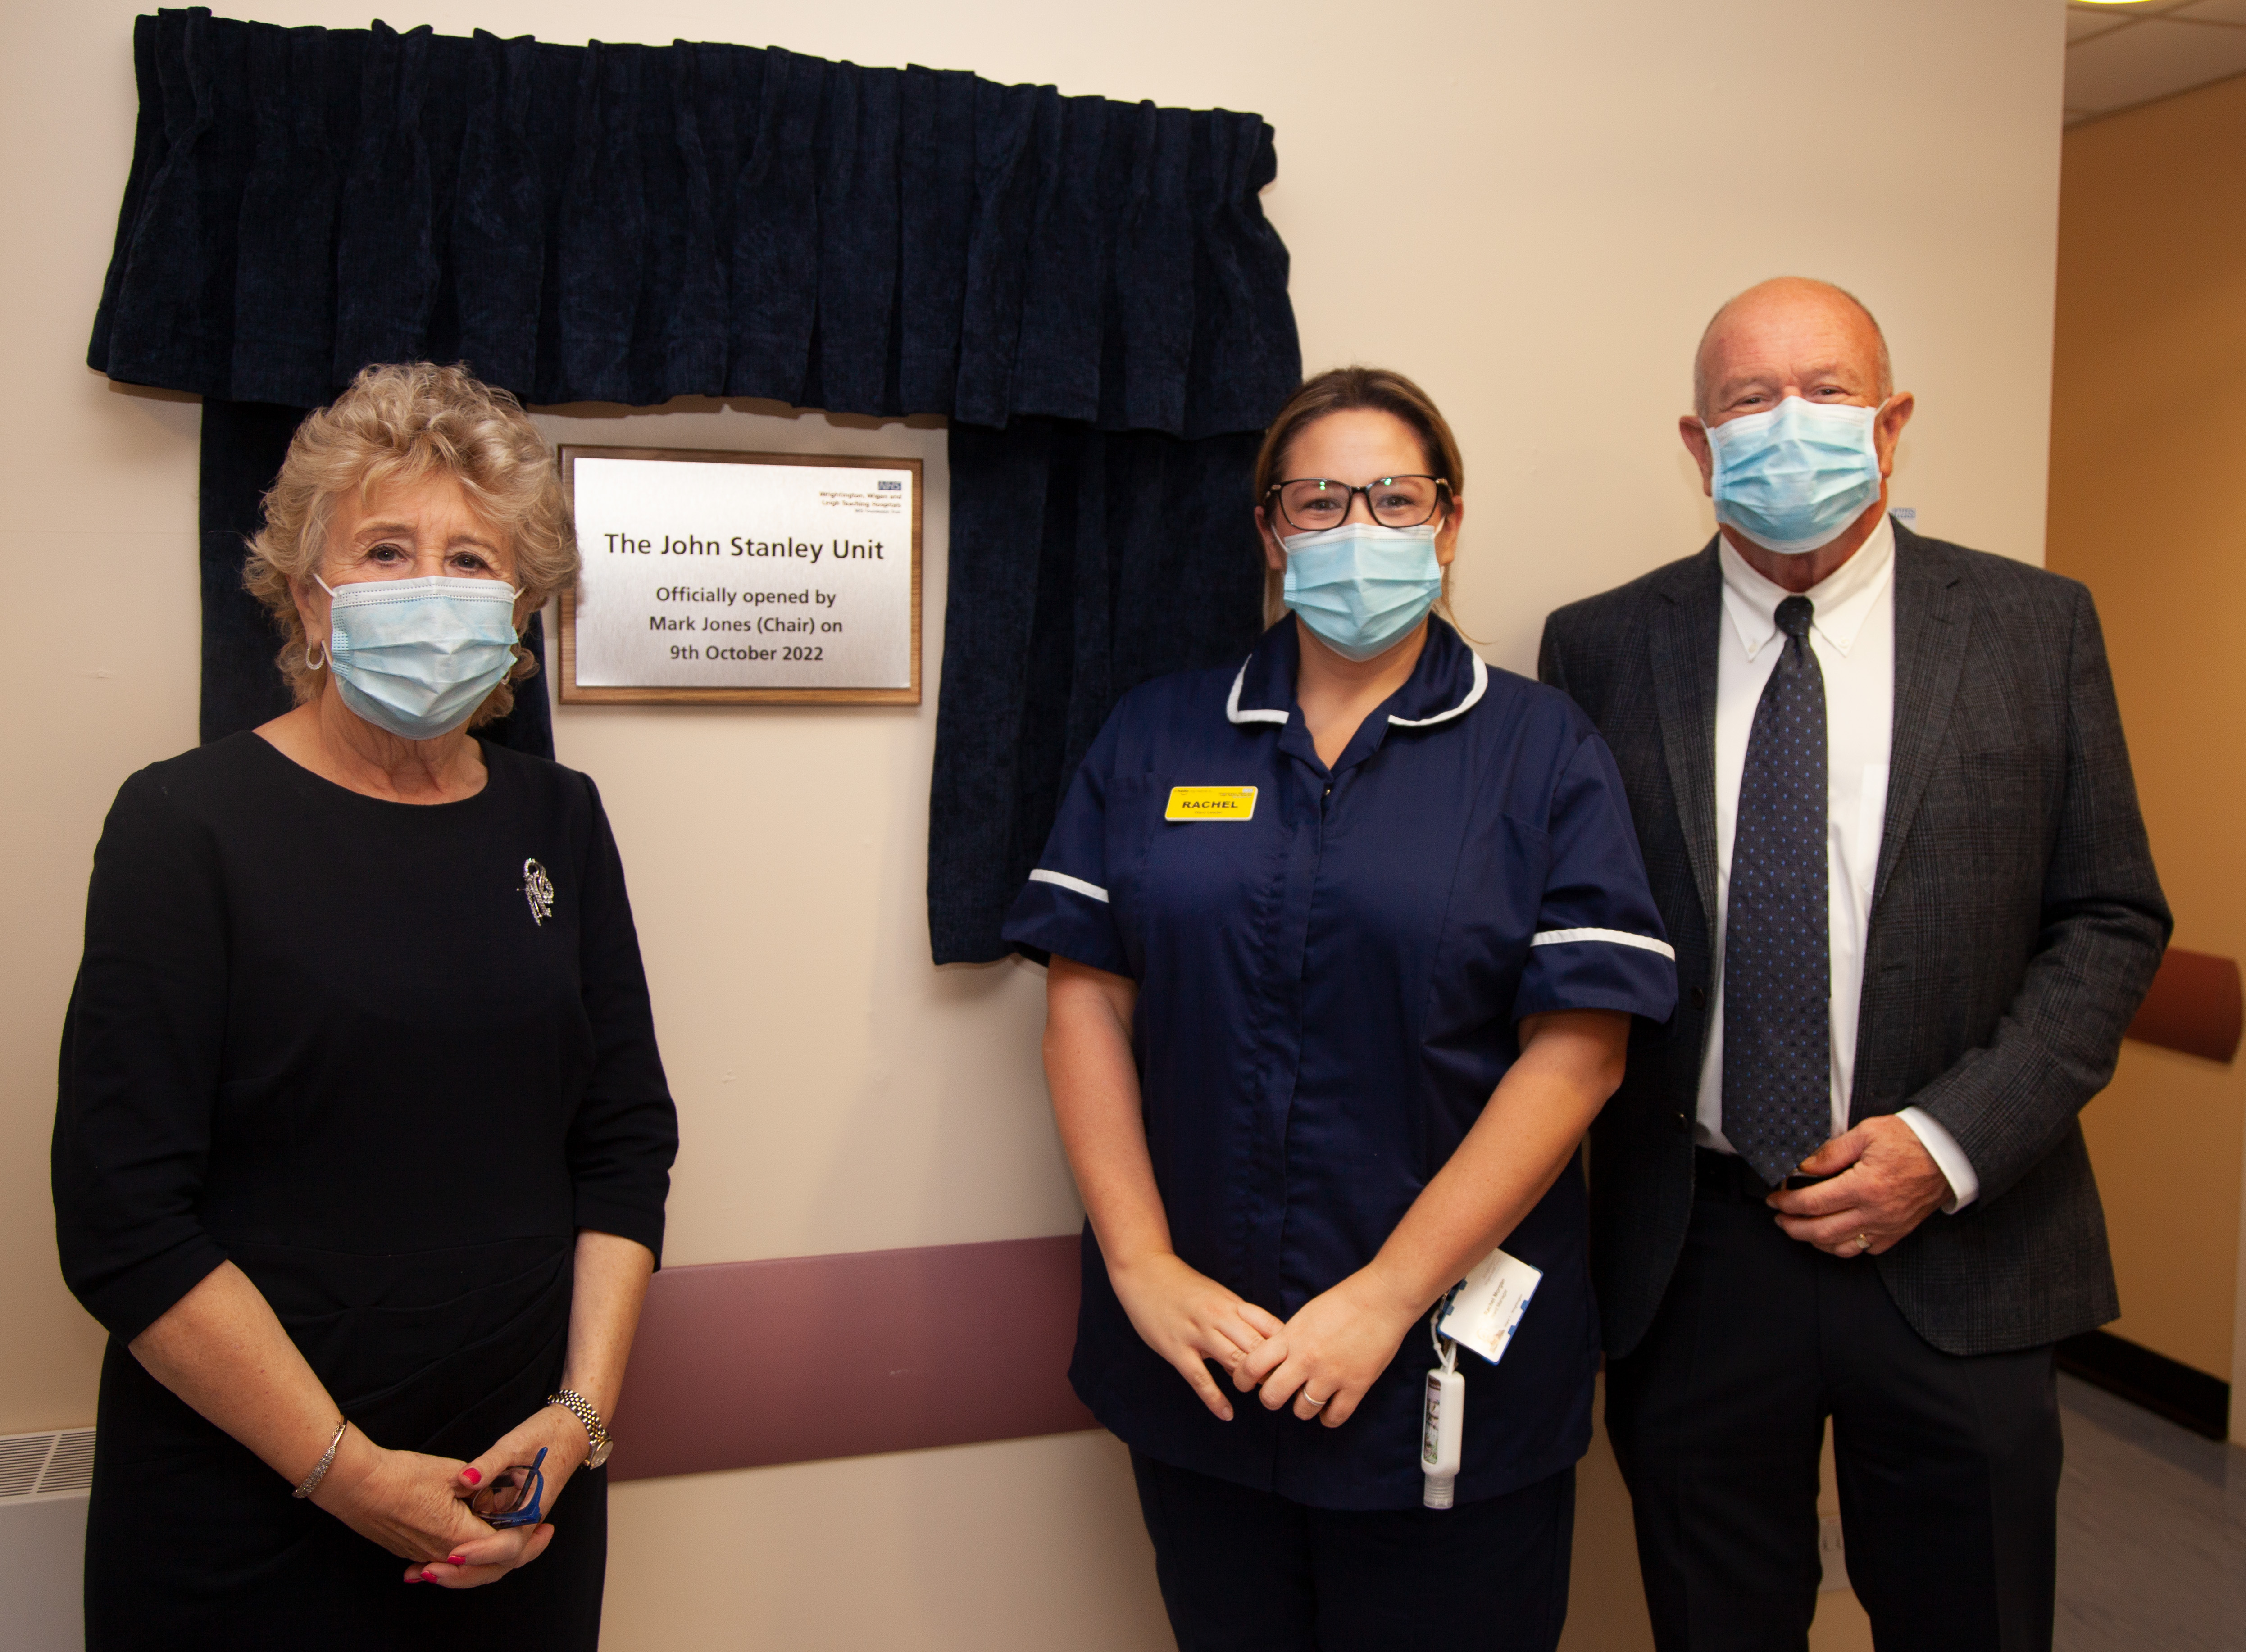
<point x="1700" y="997"/>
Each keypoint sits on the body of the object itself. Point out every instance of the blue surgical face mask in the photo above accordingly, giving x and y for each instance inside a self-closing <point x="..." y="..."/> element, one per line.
<point x="417" y="656"/>
<point x="1362" y="587"/>
<point x="1793" y="479"/>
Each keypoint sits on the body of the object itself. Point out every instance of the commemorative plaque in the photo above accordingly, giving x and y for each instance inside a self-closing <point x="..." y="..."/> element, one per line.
<point x="715" y="578"/>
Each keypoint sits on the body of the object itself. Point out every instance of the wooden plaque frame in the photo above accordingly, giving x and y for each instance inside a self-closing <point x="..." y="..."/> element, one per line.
<point x="571" y="693"/>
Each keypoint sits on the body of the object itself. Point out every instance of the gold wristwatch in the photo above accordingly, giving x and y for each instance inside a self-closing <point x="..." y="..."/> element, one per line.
<point x="581" y="1408"/>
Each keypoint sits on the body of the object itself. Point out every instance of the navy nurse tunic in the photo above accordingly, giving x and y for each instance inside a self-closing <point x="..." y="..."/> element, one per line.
<point x="1329" y="988"/>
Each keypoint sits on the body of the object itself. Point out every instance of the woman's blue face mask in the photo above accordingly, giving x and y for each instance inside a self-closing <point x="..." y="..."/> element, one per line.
<point x="1794" y="478"/>
<point x="1362" y="588"/>
<point x="417" y="656"/>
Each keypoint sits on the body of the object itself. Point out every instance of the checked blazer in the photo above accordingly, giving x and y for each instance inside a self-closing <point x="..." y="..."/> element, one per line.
<point x="2016" y="923"/>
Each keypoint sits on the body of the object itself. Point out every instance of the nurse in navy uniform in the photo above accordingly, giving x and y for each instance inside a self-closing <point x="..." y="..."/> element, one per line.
<point x="1345" y="944"/>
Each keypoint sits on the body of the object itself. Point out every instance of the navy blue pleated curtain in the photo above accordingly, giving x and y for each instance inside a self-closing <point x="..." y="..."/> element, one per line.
<point x="1087" y="289"/>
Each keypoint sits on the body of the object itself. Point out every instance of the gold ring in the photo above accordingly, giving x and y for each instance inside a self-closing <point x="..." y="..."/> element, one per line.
<point x="1863" y="1243"/>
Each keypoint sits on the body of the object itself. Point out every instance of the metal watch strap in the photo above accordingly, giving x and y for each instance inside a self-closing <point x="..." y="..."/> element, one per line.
<point x="581" y="1408"/>
<point x="312" y="1482"/>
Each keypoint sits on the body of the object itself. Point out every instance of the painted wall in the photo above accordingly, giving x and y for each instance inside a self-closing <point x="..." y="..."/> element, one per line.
<point x="2148" y="412"/>
<point x="1531" y="208"/>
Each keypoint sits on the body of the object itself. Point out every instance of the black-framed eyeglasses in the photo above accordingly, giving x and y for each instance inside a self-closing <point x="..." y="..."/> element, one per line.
<point x="512" y="1497"/>
<point x="1309" y="503"/>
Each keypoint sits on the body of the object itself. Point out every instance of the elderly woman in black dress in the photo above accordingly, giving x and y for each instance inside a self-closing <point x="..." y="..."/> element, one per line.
<point x="362" y="1139"/>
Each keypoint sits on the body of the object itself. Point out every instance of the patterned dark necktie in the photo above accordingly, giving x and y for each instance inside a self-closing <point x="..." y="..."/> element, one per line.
<point x="1777" y="963"/>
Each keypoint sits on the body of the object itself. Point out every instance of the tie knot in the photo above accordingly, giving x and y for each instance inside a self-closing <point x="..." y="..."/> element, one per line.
<point x="1794" y="615"/>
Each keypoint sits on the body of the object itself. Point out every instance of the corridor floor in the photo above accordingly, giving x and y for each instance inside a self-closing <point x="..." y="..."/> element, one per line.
<point x="2152" y="1533"/>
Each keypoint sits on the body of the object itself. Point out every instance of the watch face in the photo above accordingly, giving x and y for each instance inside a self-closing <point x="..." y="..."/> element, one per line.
<point x="599" y="1454"/>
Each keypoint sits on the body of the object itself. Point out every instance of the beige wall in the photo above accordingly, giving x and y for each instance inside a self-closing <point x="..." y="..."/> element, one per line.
<point x="2148" y="417"/>
<point x="1532" y="209"/>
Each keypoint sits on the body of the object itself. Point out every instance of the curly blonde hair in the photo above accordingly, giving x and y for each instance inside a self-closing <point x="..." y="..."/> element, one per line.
<point x="400" y="422"/>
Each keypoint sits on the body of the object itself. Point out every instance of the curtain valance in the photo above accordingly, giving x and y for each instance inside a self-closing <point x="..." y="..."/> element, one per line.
<point x="1087" y="289"/>
<point x="628" y="223"/>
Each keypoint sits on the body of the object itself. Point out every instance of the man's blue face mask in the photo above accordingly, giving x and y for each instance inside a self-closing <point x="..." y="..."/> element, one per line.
<point x="1793" y="479"/>
<point x="417" y="656"/>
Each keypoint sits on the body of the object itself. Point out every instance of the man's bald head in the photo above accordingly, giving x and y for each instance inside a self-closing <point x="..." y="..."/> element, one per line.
<point x="1788" y="305"/>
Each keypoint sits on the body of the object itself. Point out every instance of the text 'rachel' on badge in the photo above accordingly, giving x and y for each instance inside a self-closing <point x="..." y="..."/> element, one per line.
<point x="1211" y="803"/>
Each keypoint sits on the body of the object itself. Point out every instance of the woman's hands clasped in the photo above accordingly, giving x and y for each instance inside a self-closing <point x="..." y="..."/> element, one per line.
<point x="1332" y="1351"/>
<point x="1188" y="1318"/>
<point x="416" y="1506"/>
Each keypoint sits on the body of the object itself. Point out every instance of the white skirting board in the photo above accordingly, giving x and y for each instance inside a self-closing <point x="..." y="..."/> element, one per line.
<point x="42" y="1493"/>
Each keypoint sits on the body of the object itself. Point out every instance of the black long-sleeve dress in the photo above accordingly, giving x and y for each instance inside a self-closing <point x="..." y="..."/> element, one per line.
<point x="388" y="1059"/>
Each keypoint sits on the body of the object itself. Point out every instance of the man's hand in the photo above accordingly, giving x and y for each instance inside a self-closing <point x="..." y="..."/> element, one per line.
<point x="1884" y="1183"/>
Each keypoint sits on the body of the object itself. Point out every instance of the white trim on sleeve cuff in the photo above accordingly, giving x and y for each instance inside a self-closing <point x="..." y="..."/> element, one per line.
<point x="1948" y="1158"/>
<point x="1615" y="937"/>
<point x="1067" y="882"/>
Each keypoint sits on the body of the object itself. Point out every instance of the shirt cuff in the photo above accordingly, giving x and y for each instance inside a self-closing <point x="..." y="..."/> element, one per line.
<point x="1948" y="1156"/>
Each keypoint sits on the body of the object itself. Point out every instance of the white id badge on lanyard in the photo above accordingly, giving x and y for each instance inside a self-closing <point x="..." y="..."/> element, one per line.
<point x="1482" y="1314"/>
<point x="1487" y="1309"/>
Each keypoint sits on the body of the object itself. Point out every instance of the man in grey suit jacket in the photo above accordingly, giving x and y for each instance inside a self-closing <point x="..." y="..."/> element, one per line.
<point x="1886" y="807"/>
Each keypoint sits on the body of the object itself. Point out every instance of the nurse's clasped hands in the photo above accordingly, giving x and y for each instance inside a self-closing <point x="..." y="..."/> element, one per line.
<point x="1190" y="1319"/>
<point x="1183" y="1315"/>
<point x="1332" y="1351"/>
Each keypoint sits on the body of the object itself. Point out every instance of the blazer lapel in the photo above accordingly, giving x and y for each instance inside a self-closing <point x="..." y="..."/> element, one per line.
<point x="1930" y="626"/>
<point x="1683" y="652"/>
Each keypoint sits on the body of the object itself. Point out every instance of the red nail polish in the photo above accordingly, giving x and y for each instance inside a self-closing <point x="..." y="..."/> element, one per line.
<point x="456" y="1559"/>
<point x="413" y="1579"/>
<point x="474" y="1476"/>
<point x="427" y="1576"/>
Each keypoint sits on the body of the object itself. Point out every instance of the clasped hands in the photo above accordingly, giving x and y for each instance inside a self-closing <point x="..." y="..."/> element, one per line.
<point x="417" y="1506"/>
<point x="1883" y="1184"/>
<point x="1323" y="1359"/>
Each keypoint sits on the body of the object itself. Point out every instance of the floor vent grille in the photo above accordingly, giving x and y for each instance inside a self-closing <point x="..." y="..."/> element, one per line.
<point x="58" y="1464"/>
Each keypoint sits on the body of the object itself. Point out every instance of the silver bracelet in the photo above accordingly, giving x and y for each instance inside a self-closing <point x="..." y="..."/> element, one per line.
<point x="596" y="1434"/>
<point x="320" y="1469"/>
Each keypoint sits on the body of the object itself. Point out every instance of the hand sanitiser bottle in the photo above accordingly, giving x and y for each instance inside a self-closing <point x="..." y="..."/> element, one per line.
<point x="1441" y="1433"/>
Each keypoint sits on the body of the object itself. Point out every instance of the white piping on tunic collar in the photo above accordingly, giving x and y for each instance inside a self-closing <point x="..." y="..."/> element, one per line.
<point x="1480" y="687"/>
<point x="1233" y="714"/>
<point x="1232" y="711"/>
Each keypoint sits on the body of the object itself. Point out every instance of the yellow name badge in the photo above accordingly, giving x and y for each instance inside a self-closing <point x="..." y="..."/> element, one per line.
<point x="1211" y="803"/>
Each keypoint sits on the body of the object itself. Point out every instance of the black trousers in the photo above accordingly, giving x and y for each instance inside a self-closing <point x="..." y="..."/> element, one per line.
<point x="1949" y="1466"/>
<point x="1249" y="1571"/>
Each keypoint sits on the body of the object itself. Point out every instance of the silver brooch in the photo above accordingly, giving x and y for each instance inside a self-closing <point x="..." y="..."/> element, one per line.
<point x="538" y="889"/>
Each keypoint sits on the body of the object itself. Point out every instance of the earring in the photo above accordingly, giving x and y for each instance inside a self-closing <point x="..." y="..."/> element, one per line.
<point x="311" y="664"/>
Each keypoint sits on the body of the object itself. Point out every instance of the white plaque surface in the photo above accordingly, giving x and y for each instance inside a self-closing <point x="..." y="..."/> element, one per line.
<point x="730" y="576"/>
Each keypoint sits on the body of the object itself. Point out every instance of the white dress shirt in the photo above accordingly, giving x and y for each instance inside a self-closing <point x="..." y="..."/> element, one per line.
<point x="1852" y="632"/>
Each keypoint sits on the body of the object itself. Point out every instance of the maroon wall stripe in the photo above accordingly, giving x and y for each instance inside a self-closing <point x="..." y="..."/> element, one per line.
<point x="2194" y="1006"/>
<point x="807" y="1357"/>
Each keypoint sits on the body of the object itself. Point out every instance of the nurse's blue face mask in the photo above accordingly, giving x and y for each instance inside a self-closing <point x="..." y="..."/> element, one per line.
<point x="1794" y="478"/>
<point x="417" y="656"/>
<point x="1362" y="588"/>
